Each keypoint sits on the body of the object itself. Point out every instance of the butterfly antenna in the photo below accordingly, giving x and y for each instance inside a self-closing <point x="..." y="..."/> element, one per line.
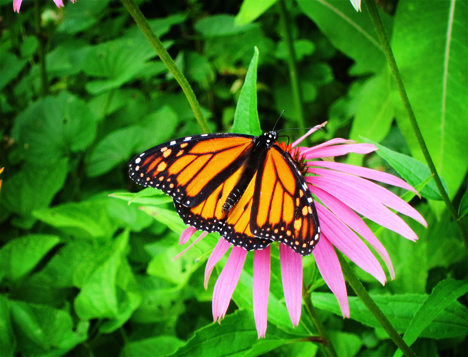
<point x="277" y="120"/>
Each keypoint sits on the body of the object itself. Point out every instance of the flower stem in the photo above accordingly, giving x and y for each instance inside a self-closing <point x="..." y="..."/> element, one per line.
<point x="295" y="82"/>
<point x="319" y="325"/>
<point x="153" y="39"/>
<point x="41" y="49"/>
<point x="379" y="28"/>
<point x="364" y="296"/>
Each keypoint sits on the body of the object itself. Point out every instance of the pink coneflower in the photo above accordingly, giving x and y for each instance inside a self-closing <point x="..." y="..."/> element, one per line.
<point x="343" y="194"/>
<point x="17" y="4"/>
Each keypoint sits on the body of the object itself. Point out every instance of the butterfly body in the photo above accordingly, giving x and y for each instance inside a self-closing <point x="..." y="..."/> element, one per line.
<point x="245" y="187"/>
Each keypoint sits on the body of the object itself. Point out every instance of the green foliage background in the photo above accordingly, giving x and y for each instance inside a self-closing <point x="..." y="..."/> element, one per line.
<point x="83" y="273"/>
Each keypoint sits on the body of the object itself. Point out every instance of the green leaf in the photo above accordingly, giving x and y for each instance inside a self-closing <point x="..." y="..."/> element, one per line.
<point x="159" y="300"/>
<point x="158" y="127"/>
<point x="301" y="48"/>
<point x="349" y="31"/>
<point x="41" y="328"/>
<point x="10" y="67"/>
<point x="85" y="219"/>
<point x="58" y="273"/>
<point x="251" y="9"/>
<point x="246" y="116"/>
<point x="33" y="187"/>
<point x="113" y="149"/>
<point x="108" y="287"/>
<point x="374" y="112"/>
<point x="234" y="336"/>
<point x="117" y="61"/>
<point x="80" y="18"/>
<point x="53" y="128"/>
<point x="435" y="76"/>
<point x="445" y="293"/>
<point x="7" y="336"/>
<point x="152" y="347"/>
<point x="19" y="256"/>
<point x="412" y="170"/>
<point x="463" y="207"/>
<point x="147" y="196"/>
<point x="129" y="216"/>
<point x="220" y="25"/>
<point x="400" y="310"/>
<point x="28" y="46"/>
<point x="345" y="344"/>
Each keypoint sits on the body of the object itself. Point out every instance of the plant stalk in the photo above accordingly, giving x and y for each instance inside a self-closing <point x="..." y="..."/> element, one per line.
<point x="364" y="296"/>
<point x="41" y="49"/>
<point x="381" y="33"/>
<point x="319" y="325"/>
<point x="292" y="65"/>
<point x="153" y="39"/>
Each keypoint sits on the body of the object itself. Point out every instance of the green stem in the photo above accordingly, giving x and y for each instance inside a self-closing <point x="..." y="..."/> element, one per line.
<point x="293" y="74"/>
<point x="319" y="325"/>
<point x="379" y="28"/>
<point x="364" y="296"/>
<point x="41" y="49"/>
<point x="153" y="39"/>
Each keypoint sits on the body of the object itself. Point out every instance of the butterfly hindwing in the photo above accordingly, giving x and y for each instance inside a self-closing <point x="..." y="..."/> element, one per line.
<point x="283" y="208"/>
<point x="190" y="169"/>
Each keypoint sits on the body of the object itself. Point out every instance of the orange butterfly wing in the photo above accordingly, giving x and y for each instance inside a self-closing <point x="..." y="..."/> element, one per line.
<point x="283" y="207"/>
<point x="190" y="169"/>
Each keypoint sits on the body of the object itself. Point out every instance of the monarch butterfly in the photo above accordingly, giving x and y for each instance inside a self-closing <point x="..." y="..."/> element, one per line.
<point x="247" y="188"/>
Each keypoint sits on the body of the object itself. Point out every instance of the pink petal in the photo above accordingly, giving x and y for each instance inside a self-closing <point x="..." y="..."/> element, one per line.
<point x="349" y="243"/>
<point x="365" y="172"/>
<point x="186" y="235"/>
<point x="339" y="150"/>
<point x="218" y="252"/>
<point x="203" y="235"/>
<point x="59" y="3"/>
<point x="291" y="274"/>
<point x="330" y="269"/>
<point x="227" y="282"/>
<point x="384" y="196"/>
<point x="349" y="217"/>
<point x="17" y="5"/>
<point x="335" y="141"/>
<point x="364" y="204"/>
<point x="313" y="130"/>
<point x="261" y="289"/>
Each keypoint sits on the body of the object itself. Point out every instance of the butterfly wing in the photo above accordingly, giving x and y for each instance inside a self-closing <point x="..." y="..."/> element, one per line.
<point x="190" y="169"/>
<point x="283" y="209"/>
<point x="237" y="229"/>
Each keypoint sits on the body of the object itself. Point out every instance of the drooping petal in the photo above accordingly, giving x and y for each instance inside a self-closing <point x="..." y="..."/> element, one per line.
<point x="203" y="235"/>
<point x="349" y="243"/>
<point x="314" y="129"/>
<point x="291" y="275"/>
<point x="349" y="217"/>
<point x="217" y="253"/>
<point x="339" y="150"/>
<point x="384" y="196"/>
<point x="59" y="3"/>
<point x="227" y="282"/>
<point x="331" y="142"/>
<point x="17" y="5"/>
<point x="366" y="173"/>
<point x="330" y="269"/>
<point x="261" y="289"/>
<point x="364" y="204"/>
<point x="186" y="235"/>
<point x="356" y="4"/>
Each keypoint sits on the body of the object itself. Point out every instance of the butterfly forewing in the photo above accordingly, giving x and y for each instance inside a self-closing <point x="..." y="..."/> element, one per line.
<point x="190" y="169"/>
<point x="283" y="208"/>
